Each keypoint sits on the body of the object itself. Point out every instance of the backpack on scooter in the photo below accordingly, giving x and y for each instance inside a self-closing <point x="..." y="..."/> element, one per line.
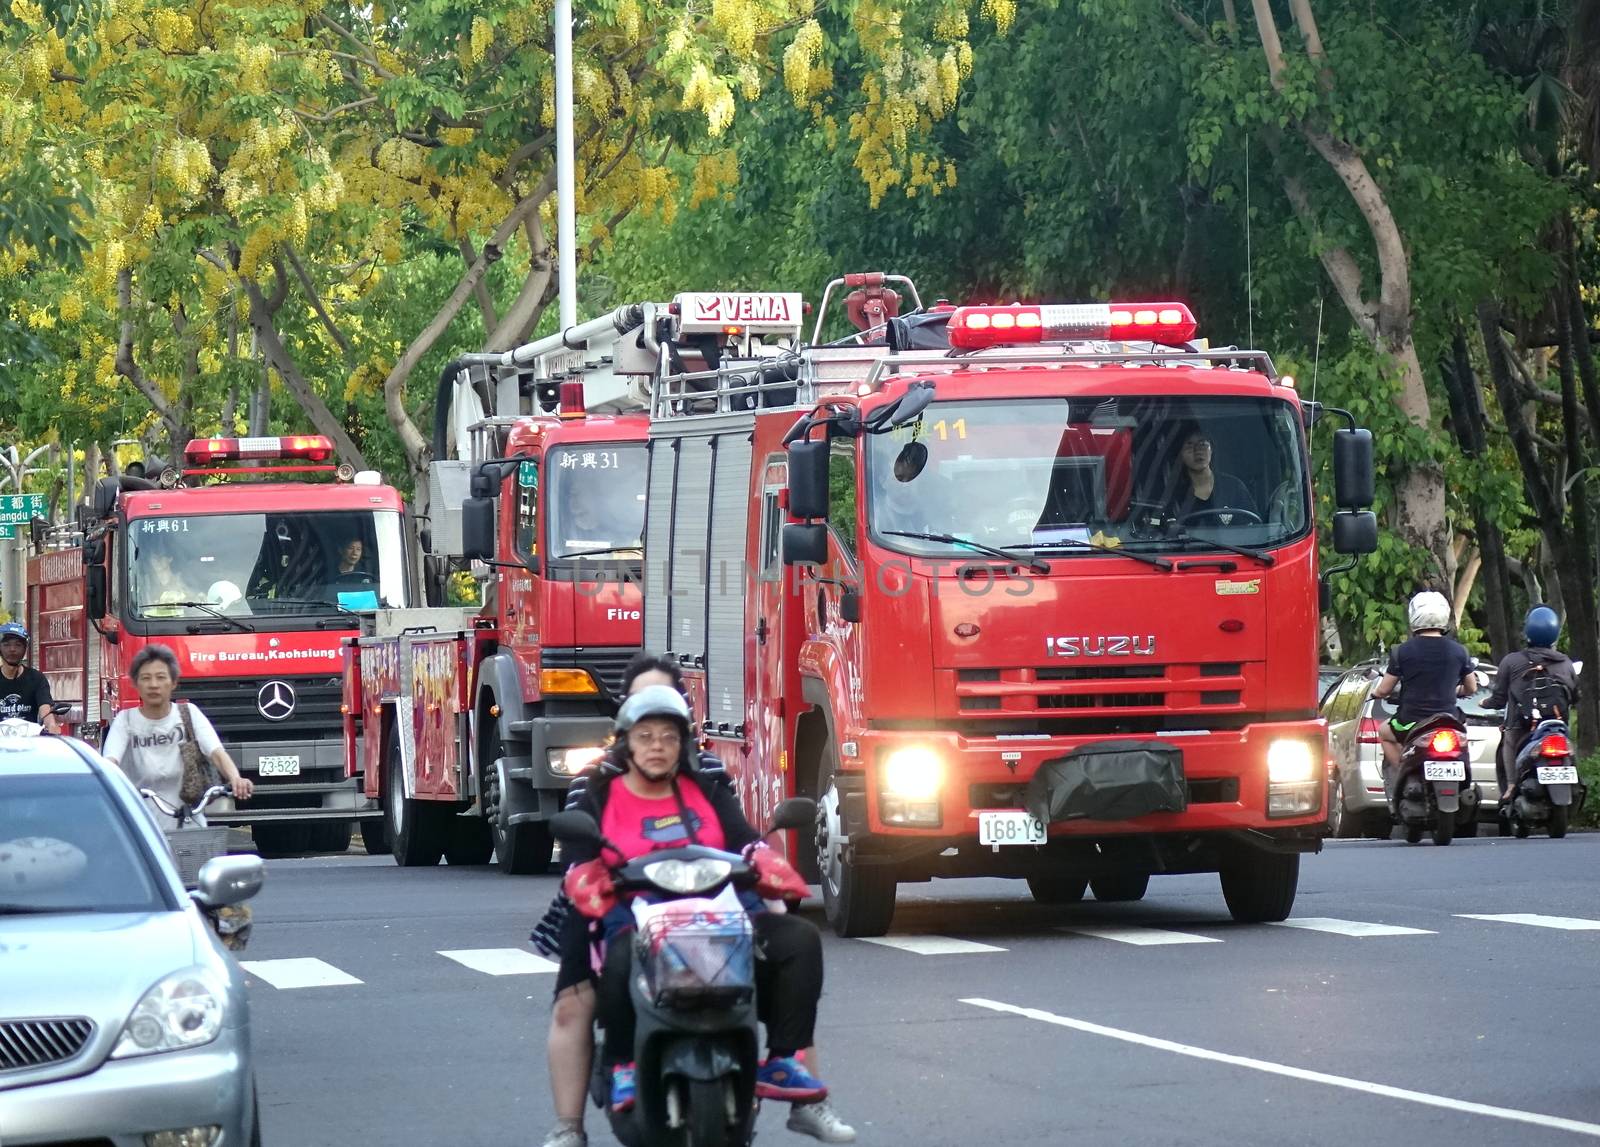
<point x="1539" y="695"/>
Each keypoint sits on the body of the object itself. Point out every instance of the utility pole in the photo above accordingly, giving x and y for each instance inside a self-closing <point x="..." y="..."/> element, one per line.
<point x="566" y="195"/>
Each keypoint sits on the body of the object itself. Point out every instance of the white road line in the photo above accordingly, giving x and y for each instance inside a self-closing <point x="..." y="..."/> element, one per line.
<point x="501" y="961"/>
<point x="304" y="972"/>
<point x="1533" y="919"/>
<point x="1466" y="1107"/>
<point x="933" y="945"/>
<point x="1144" y="937"/>
<point x="1349" y="927"/>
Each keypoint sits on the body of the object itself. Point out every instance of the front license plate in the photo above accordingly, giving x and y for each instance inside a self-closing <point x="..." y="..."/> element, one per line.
<point x="1557" y="774"/>
<point x="1443" y="771"/>
<point x="288" y="766"/>
<point x="1010" y="828"/>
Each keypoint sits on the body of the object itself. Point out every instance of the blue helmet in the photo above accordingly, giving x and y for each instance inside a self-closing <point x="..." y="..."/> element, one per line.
<point x="1541" y="628"/>
<point x="13" y="629"/>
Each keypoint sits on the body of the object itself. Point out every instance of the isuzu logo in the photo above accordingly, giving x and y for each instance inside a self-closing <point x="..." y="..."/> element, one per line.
<point x="1112" y="645"/>
<point x="276" y="700"/>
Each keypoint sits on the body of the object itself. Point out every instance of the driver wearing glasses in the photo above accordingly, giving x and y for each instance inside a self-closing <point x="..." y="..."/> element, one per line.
<point x="1202" y="494"/>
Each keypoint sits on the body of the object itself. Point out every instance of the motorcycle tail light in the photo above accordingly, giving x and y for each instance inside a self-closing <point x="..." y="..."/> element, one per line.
<point x="1445" y="741"/>
<point x="1555" y="745"/>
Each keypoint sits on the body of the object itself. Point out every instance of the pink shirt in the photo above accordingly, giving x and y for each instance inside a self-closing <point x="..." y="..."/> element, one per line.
<point x="639" y="826"/>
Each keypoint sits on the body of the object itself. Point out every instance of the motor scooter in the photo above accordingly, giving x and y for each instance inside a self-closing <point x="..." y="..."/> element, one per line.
<point x="1433" y="789"/>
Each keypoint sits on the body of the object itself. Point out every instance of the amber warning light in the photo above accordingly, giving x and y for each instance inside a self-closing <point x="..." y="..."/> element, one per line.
<point x="973" y="328"/>
<point x="210" y="451"/>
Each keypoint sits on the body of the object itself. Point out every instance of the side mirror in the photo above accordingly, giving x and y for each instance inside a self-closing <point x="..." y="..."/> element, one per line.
<point x="477" y="528"/>
<point x="808" y="479"/>
<point x="795" y="813"/>
<point x="912" y="404"/>
<point x="225" y="880"/>
<point x="850" y="606"/>
<point x="1354" y="474"/>
<point x="94" y="550"/>
<point x="805" y="544"/>
<point x="577" y="827"/>
<point x="1355" y="532"/>
<point x="97" y="591"/>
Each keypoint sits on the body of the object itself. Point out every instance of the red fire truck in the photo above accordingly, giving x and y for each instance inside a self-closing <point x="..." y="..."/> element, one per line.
<point x="251" y="570"/>
<point x="469" y="727"/>
<point x="1019" y="591"/>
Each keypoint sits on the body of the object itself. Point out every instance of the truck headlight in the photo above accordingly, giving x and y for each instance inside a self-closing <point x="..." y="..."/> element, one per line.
<point x="571" y="762"/>
<point x="915" y="773"/>
<point x="182" y="1011"/>
<point x="1291" y="763"/>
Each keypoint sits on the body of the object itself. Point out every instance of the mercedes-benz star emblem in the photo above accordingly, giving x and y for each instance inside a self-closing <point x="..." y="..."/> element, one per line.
<point x="276" y="700"/>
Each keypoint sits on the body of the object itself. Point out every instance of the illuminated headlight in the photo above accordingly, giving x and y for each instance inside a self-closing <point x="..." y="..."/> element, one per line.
<point x="1291" y="763"/>
<point x="686" y="877"/>
<point x="182" y="1011"/>
<point x="913" y="773"/>
<point x="184" y="1137"/>
<point x="571" y="762"/>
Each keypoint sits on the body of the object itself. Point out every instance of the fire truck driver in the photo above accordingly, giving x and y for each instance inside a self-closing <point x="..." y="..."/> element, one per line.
<point x="161" y="585"/>
<point x="1202" y="493"/>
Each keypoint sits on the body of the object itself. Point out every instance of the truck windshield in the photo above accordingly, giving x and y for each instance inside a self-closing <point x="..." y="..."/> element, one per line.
<point x="273" y="564"/>
<point x="596" y="500"/>
<point x="1142" y="472"/>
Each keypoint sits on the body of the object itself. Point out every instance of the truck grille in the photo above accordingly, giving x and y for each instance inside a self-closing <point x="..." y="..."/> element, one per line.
<point x="1090" y="689"/>
<point x="606" y="665"/>
<point x="231" y="705"/>
<point x="36" y="1043"/>
<point x="1009" y="794"/>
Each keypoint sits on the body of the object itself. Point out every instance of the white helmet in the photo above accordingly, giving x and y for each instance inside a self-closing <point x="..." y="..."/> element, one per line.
<point x="1429" y="610"/>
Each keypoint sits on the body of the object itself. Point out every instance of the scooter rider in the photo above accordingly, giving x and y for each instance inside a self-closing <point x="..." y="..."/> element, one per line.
<point x="657" y="798"/>
<point x="1540" y="630"/>
<point x="24" y="691"/>
<point x="1434" y="669"/>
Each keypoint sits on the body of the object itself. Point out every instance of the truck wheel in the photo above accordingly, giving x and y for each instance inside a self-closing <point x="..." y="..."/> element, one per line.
<point x="281" y="838"/>
<point x="1058" y="889"/>
<point x="331" y="836"/>
<point x="519" y="849"/>
<point x="1260" y="886"/>
<point x="414" y="828"/>
<point x="858" y="900"/>
<point x="375" y="836"/>
<point x="1122" y="886"/>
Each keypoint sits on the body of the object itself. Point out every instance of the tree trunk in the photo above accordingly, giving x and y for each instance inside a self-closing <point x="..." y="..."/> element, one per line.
<point x="1579" y="580"/>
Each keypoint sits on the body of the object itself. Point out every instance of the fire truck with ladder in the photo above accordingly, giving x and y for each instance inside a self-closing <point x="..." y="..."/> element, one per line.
<point x="1017" y="591"/>
<point x="469" y="725"/>
<point x="250" y="559"/>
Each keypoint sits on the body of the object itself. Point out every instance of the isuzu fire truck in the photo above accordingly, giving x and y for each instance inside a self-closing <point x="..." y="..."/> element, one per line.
<point x="469" y="727"/>
<point x="250" y="560"/>
<point x="1019" y="591"/>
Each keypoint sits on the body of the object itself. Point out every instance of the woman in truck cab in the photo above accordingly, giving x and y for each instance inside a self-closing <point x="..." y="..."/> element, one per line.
<point x="161" y="586"/>
<point x="1202" y="493"/>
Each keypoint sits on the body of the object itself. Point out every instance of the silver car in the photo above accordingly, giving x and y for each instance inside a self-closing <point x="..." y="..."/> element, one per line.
<point x="1356" y="803"/>
<point x="123" y="1021"/>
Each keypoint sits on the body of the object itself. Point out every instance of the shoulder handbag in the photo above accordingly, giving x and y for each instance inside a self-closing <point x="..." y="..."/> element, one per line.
<point x="198" y="773"/>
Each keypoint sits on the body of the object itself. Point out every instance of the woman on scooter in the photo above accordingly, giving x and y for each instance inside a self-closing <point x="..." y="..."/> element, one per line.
<point x="650" y="795"/>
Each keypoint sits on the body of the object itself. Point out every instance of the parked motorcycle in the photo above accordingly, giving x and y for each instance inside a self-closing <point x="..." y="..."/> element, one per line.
<point x="193" y="842"/>
<point x="696" y="1041"/>
<point x="1546" y="777"/>
<point x="1434" y="790"/>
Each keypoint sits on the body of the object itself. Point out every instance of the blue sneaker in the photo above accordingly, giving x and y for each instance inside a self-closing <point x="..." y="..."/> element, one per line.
<point x="787" y="1078"/>
<point x="622" y="1088"/>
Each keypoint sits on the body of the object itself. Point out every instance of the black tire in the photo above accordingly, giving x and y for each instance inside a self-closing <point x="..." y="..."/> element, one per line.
<point x="1522" y="829"/>
<point x="467" y="841"/>
<point x="858" y="900"/>
<point x="1558" y="821"/>
<point x="255" y="1114"/>
<point x="1379" y="826"/>
<point x="1468" y="828"/>
<point x="1413" y="834"/>
<point x="1058" y="889"/>
<point x="521" y="849"/>
<point x="415" y="831"/>
<point x="331" y="835"/>
<point x="708" y="1112"/>
<point x="1121" y="887"/>
<point x="1444" y="827"/>
<point x="375" y="836"/>
<point x="1341" y="825"/>
<point x="1504" y="823"/>
<point x="1259" y="887"/>
<point x="281" y="838"/>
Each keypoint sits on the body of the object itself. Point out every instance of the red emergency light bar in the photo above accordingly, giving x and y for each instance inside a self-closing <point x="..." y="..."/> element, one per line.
<point x="973" y="328"/>
<point x="209" y="451"/>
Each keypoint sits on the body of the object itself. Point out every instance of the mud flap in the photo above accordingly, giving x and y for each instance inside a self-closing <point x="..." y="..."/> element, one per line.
<point x="1109" y="780"/>
<point x="1446" y="796"/>
<point x="1560" y="795"/>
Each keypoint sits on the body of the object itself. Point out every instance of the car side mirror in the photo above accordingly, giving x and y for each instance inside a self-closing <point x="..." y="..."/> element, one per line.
<point x="1355" y="532"/>
<point x="805" y="544"/>
<point x="477" y="528"/>
<point x="225" y="880"/>
<point x="808" y="478"/>
<point x="794" y="813"/>
<point x="1354" y="474"/>
<point x="96" y="576"/>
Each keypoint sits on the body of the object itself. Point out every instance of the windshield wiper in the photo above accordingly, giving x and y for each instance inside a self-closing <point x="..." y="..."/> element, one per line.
<point x="1085" y="544"/>
<point x="600" y="553"/>
<point x="299" y="601"/>
<point x="209" y="608"/>
<point x="1033" y="563"/>
<point x="1243" y="551"/>
<point x="37" y="909"/>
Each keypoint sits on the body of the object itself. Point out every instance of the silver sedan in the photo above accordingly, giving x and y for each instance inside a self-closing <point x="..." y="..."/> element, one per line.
<point x="123" y="1021"/>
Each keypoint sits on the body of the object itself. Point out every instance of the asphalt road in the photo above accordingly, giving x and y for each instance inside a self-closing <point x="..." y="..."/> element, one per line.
<point x="993" y="1021"/>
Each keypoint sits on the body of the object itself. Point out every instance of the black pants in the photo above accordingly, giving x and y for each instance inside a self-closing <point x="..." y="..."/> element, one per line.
<point x="788" y="986"/>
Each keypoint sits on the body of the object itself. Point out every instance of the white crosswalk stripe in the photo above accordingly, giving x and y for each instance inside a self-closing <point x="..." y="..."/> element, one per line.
<point x="932" y="945"/>
<point x="301" y="972"/>
<point x="1143" y="937"/>
<point x="1359" y="928"/>
<point x="501" y="961"/>
<point x="1535" y="920"/>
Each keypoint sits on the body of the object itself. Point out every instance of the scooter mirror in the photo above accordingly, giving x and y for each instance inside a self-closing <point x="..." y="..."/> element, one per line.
<point x="577" y="827"/>
<point x="796" y="812"/>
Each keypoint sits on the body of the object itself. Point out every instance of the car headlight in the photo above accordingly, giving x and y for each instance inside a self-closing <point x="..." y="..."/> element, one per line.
<point x="1291" y="763"/>
<point x="688" y="876"/>
<point x="182" y="1011"/>
<point x="914" y="772"/>
<point x="571" y="762"/>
